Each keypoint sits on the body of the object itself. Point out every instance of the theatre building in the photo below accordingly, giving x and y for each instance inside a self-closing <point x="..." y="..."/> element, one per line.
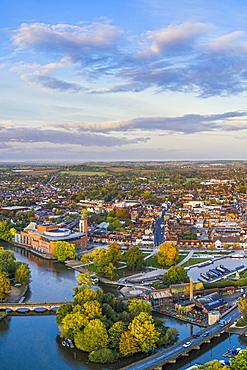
<point x="42" y="238"/>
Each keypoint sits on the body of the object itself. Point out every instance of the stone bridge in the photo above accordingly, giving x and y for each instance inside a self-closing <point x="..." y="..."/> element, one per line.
<point x="31" y="306"/>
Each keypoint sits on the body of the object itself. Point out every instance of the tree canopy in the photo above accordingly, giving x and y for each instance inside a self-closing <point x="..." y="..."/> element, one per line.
<point x="167" y="254"/>
<point x="64" y="250"/>
<point x="104" y="325"/>
<point x="175" y="275"/>
<point x="134" y="258"/>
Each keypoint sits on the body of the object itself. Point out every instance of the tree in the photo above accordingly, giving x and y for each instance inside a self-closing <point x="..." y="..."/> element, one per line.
<point x="23" y="274"/>
<point x="175" y="275"/>
<point x="103" y="355"/>
<point x="240" y="361"/>
<point x="73" y="322"/>
<point x="242" y="307"/>
<point x="4" y="285"/>
<point x="64" y="250"/>
<point x="128" y="344"/>
<point x="114" y="253"/>
<point x="6" y="231"/>
<point x="167" y="254"/>
<point x="143" y="330"/>
<point x="94" y="336"/>
<point x="115" y="334"/>
<point x="84" y="279"/>
<point x="213" y="365"/>
<point x="136" y="306"/>
<point x="134" y="258"/>
<point x="105" y="260"/>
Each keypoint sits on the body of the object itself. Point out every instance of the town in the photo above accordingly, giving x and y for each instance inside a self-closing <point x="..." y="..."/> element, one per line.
<point x="167" y="231"/>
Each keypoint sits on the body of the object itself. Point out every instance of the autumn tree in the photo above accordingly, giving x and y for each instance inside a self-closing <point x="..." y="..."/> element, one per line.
<point x="175" y="275"/>
<point x="64" y="250"/>
<point x="242" y="307"/>
<point x="134" y="258"/>
<point x="213" y="365"/>
<point x="128" y="344"/>
<point x="4" y="285"/>
<point x="239" y="362"/>
<point x="136" y="306"/>
<point x="23" y="274"/>
<point x="167" y="254"/>
<point x="105" y="260"/>
<point x="94" y="336"/>
<point x="143" y="330"/>
<point x="84" y="279"/>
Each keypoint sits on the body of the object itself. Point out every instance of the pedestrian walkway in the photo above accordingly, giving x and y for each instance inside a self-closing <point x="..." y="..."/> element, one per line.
<point x="186" y="258"/>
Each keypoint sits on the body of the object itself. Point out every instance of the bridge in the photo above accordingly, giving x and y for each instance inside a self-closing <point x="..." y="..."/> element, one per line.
<point x="175" y="352"/>
<point x="31" y="306"/>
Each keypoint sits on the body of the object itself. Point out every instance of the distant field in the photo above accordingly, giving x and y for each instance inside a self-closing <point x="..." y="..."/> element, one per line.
<point x="81" y="173"/>
<point x="34" y="172"/>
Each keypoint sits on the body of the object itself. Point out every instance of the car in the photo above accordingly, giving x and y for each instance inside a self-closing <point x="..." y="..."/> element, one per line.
<point x="206" y="334"/>
<point x="196" y="335"/>
<point x="187" y="344"/>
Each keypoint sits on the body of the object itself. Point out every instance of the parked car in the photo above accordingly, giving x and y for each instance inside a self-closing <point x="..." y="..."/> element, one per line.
<point x="187" y="344"/>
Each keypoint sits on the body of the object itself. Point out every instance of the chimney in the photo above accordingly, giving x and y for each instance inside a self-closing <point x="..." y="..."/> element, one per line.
<point x="191" y="289"/>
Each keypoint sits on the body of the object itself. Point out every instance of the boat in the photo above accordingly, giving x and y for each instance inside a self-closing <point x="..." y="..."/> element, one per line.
<point x="237" y="255"/>
<point x="239" y="267"/>
<point x="66" y="342"/>
<point x="232" y="352"/>
<point x="205" y="263"/>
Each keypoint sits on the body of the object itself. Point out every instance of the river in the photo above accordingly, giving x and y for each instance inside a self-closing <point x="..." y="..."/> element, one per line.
<point x="31" y="342"/>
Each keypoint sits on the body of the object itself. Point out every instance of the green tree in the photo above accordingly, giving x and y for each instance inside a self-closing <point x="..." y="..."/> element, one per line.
<point x="114" y="253"/>
<point x="167" y="254"/>
<point x="175" y="275"/>
<point x="103" y="355"/>
<point x="134" y="258"/>
<point x="4" y="285"/>
<point x="115" y="334"/>
<point x="64" y="250"/>
<point x="94" y="336"/>
<point x="143" y="330"/>
<point x="23" y="274"/>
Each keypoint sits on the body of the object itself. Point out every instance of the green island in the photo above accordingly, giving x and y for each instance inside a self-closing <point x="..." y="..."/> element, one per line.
<point x="109" y="328"/>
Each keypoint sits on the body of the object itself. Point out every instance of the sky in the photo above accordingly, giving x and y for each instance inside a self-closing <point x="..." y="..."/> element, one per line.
<point x="134" y="80"/>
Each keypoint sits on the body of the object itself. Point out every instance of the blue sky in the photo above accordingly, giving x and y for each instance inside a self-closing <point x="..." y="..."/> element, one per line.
<point x="123" y="80"/>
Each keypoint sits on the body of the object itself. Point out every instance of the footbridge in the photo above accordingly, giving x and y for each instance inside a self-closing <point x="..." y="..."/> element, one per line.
<point x="31" y="306"/>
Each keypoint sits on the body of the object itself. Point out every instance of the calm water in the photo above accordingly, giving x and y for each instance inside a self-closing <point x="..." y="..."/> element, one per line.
<point x="31" y="343"/>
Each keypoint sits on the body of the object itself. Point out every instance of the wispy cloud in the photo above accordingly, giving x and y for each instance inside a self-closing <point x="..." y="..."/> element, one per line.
<point x="85" y="139"/>
<point x="183" y="57"/>
<point x="187" y="124"/>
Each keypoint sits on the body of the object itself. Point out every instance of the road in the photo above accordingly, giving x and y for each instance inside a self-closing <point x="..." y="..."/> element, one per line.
<point x="158" y="358"/>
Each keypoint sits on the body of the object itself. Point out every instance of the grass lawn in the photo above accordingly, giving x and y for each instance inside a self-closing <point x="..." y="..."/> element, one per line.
<point x="194" y="261"/>
<point x="181" y="257"/>
<point x="2" y="314"/>
<point x="152" y="261"/>
<point x="241" y="323"/>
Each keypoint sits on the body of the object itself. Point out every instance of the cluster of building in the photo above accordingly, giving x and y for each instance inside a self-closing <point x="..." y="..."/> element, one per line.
<point x="212" y="214"/>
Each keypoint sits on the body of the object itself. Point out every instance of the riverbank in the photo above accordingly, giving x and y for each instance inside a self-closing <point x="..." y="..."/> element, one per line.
<point x="14" y="296"/>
